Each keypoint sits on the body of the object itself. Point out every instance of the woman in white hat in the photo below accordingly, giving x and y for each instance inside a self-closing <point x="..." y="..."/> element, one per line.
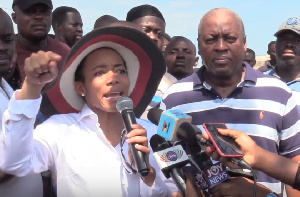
<point x="86" y="151"/>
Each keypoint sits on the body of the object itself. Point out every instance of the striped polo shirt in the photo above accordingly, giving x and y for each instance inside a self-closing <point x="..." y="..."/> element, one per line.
<point x="261" y="105"/>
<point x="294" y="85"/>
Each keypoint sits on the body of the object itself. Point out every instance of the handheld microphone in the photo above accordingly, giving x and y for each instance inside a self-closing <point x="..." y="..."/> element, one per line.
<point x="170" y="159"/>
<point x="168" y="121"/>
<point x="212" y="174"/>
<point x="125" y="107"/>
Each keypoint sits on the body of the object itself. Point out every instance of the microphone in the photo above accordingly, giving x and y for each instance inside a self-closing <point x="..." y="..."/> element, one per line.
<point x="188" y="131"/>
<point x="125" y="107"/>
<point x="211" y="174"/>
<point x="192" y="134"/>
<point x="168" y="122"/>
<point x="170" y="159"/>
<point x="179" y="128"/>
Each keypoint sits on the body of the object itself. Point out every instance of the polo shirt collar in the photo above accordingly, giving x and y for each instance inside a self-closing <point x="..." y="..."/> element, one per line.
<point x="274" y="74"/>
<point x="249" y="79"/>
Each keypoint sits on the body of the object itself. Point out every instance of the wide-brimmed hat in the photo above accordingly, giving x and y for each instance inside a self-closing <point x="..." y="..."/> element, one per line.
<point x="145" y="65"/>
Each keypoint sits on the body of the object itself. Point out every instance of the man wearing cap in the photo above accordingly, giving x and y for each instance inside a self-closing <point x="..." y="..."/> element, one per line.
<point x="11" y="186"/>
<point x="288" y="55"/>
<point x="33" y="19"/>
<point x="153" y="23"/>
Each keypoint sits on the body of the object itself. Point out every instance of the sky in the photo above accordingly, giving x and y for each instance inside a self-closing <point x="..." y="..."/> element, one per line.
<point x="261" y="18"/>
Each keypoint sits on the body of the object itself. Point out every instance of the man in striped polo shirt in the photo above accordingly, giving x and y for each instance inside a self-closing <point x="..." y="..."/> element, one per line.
<point x="288" y="56"/>
<point x="228" y="90"/>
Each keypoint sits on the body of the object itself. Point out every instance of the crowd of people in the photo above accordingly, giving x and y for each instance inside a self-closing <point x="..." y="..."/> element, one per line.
<point x="61" y="134"/>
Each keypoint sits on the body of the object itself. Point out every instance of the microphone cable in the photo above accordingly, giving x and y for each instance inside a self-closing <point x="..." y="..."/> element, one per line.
<point x="255" y="181"/>
<point x="244" y="165"/>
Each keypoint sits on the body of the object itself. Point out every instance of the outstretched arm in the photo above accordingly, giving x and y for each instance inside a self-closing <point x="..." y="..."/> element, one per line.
<point x="272" y="164"/>
<point x="19" y="153"/>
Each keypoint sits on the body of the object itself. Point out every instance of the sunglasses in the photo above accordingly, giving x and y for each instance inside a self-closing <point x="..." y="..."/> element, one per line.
<point x="128" y="166"/>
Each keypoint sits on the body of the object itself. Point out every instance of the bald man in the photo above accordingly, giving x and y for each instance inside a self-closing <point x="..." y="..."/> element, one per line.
<point x="230" y="91"/>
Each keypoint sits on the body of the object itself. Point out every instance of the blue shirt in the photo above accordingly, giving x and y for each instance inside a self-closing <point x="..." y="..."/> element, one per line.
<point x="294" y="85"/>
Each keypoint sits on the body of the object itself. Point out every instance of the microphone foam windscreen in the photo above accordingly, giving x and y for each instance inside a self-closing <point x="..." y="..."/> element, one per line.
<point x="124" y="103"/>
<point x="154" y="115"/>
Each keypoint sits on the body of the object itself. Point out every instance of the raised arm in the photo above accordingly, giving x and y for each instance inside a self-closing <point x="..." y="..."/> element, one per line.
<point x="19" y="153"/>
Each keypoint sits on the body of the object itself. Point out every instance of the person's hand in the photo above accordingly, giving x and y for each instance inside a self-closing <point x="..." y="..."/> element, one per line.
<point x="191" y="189"/>
<point x="4" y="177"/>
<point x="239" y="186"/>
<point x="40" y="68"/>
<point x="248" y="146"/>
<point x="138" y="136"/>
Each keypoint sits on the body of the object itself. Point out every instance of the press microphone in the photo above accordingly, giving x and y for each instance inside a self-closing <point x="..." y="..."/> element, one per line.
<point x="170" y="159"/>
<point x="188" y="131"/>
<point x="179" y="128"/>
<point x="211" y="174"/>
<point x="168" y="122"/>
<point x="125" y="107"/>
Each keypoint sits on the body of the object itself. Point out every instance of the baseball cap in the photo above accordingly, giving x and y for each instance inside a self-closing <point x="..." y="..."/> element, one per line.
<point x="292" y="24"/>
<point x="25" y="4"/>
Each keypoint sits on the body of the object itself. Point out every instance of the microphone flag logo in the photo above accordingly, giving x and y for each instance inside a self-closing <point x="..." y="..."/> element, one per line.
<point x="169" y="122"/>
<point x="171" y="155"/>
<point x="166" y="126"/>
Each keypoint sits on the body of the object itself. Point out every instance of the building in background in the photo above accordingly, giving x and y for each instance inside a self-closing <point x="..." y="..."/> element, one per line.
<point x="261" y="60"/>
